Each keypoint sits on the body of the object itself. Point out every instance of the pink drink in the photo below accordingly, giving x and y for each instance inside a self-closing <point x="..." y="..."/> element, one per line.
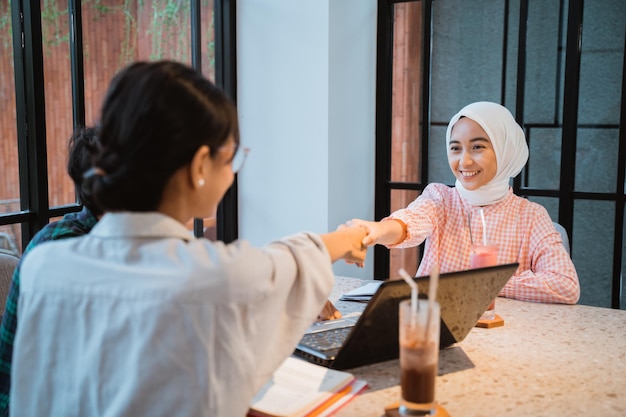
<point x="481" y="256"/>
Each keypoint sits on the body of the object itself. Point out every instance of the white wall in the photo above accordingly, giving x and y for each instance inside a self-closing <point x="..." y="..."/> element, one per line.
<point x="306" y="83"/>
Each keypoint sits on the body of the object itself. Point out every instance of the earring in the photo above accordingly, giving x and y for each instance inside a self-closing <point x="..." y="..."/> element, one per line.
<point x="201" y="182"/>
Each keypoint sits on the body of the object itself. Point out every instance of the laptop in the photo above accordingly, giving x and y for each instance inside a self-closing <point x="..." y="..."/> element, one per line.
<point x="372" y="336"/>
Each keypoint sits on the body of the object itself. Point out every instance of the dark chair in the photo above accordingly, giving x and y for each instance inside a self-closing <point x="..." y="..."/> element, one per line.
<point x="564" y="236"/>
<point x="8" y="262"/>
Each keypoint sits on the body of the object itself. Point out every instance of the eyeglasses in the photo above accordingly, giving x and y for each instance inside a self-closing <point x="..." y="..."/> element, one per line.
<point x="239" y="158"/>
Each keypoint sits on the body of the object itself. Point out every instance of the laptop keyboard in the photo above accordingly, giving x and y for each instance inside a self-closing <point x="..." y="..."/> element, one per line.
<point x="331" y="339"/>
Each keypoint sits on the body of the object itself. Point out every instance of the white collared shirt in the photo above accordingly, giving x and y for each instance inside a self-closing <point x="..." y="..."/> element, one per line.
<point x="139" y="318"/>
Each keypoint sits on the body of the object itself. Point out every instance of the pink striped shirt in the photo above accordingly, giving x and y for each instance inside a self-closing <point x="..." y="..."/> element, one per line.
<point x="522" y="230"/>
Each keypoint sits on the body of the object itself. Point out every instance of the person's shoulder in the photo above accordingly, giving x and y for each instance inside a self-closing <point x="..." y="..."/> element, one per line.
<point x="438" y="191"/>
<point x="58" y="230"/>
<point x="39" y="259"/>
<point x="47" y="233"/>
<point x="529" y="206"/>
<point x="439" y="188"/>
<point x="529" y="212"/>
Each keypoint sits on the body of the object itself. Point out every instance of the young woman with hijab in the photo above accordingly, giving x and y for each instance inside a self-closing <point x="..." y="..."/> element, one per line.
<point x="139" y="318"/>
<point x="486" y="147"/>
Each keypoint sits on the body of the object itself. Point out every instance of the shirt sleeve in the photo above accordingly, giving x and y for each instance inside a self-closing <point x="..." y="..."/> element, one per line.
<point x="7" y="337"/>
<point x="552" y="277"/>
<point x="421" y="217"/>
<point x="292" y="280"/>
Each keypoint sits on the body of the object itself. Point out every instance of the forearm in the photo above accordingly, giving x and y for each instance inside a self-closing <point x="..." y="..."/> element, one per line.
<point x="543" y="287"/>
<point x="385" y="232"/>
<point x="392" y="232"/>
<point x="547" y="273"/>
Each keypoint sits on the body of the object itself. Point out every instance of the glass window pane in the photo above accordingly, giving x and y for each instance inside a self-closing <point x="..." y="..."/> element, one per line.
<point x="9" y="186"/>
<point x="58" y="99"/>
<point x="600" y="95"/>
<point x="438" y="167"/>
<point x="602" y="58"/>
<point x="207" y="27"/>
<point x="104" y="55"/>
<point x="164" y="30"/>
<point x="544" y="54"/>
<point x="543" y="169"/>
<point x="406" y="100"/>
<point x="596" y="160"/>
<point x="592" y="250"/>
<point x="467" y="56"/>
<point x="119" y="33"/>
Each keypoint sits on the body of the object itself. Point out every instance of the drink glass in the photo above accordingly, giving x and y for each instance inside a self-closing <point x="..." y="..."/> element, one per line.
<point x="419" y="356"/>
<point x="481" y="256"/>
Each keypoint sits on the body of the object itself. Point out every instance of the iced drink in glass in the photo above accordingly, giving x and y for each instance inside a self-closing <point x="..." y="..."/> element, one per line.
<point x="419" y="356"/>
<point x="481" y="256"/>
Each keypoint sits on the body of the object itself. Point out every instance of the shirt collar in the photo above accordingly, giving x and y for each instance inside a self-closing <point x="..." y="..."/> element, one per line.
<point x="146" y="225"/>
<point x="86" y="216"/>
<point x="488" y="207"/>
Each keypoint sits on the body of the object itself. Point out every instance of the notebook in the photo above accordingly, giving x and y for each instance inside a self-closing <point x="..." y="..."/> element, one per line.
<point x="372" y="336"/>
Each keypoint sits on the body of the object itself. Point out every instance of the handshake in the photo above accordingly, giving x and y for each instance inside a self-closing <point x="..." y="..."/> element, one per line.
<point x="361" y="234"/>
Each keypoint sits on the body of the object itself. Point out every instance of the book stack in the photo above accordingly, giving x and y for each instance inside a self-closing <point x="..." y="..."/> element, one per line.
<point x="302" y="389"/>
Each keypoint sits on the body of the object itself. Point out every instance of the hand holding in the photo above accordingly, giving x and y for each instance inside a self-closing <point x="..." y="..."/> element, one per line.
<point x="358" y="250"/>
<point x="373" y="230"/>
<point x="346" y="243"/>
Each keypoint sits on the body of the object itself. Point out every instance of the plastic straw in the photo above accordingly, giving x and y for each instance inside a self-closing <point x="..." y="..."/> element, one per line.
<point x="414" y="305"/>
<point x="482" y="218"/>
<point x="469" y="225"/>
<point x="432" y="296"/>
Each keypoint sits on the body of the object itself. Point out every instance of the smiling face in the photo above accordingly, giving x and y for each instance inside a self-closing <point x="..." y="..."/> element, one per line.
<point x="471" y="156"/>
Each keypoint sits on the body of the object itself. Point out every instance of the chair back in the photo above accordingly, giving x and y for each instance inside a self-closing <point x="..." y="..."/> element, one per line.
<point x="564" y="236"/>
<point x="7" y="245"/>
<point x="8" y="263"/>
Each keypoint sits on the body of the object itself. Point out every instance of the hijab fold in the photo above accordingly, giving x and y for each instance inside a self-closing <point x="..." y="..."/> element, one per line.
<point x="509" y="145"/>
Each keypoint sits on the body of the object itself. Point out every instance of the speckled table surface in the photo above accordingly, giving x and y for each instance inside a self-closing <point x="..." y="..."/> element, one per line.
<point x="547" y="360"/>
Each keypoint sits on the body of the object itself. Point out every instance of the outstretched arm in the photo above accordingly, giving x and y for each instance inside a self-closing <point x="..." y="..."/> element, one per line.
<point x="384" y="232"/>
<point x="346" y="243"/>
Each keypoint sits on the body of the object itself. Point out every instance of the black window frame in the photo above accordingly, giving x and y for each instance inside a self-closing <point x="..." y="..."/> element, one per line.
<point x="35" y="211"/>
<point x="566" y="194"/>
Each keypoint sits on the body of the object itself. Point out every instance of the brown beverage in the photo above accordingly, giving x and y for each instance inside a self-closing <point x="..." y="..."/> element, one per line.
<point x="418" y="384"/>
<point x="418" y="372"/>
<point x="419" y="354"/>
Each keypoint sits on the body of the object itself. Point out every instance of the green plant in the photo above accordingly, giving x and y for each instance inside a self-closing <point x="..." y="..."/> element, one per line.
<point x="6" y="32"/>
<point x="170" y="29"/>
<point x="53" y="34"/>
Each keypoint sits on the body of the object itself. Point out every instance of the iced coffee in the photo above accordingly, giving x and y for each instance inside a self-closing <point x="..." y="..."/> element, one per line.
<point x="419" y="354"/>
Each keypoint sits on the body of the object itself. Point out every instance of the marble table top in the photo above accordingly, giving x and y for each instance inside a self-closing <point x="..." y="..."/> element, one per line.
<point x="547" y="360"/>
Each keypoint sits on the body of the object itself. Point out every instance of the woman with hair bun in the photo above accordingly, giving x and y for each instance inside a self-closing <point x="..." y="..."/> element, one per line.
<point x="139" y="318"/>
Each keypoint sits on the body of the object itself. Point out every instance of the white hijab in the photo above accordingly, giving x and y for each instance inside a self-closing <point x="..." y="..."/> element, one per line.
<point x="509" y="144"/>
